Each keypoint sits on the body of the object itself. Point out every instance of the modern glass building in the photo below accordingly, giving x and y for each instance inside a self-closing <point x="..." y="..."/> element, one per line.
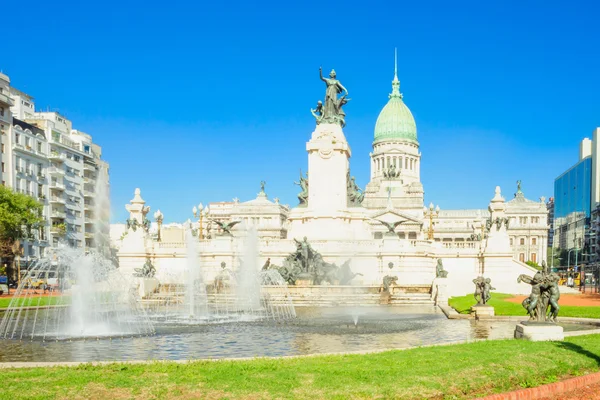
<point x="573" y="190"/>
<point x="573" y="206"/>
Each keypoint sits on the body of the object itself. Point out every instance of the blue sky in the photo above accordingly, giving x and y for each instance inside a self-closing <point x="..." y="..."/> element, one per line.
<point x="200" y="101"/>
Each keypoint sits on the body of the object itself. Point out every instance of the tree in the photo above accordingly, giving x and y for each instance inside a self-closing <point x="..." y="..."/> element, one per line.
<point x="20" y="216"/>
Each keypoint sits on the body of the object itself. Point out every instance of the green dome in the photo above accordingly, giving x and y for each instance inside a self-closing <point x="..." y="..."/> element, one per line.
<point x="395" y="121"/>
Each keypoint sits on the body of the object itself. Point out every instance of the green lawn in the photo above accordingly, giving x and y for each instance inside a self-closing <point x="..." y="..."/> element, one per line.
<point x="34" y="301"/>
<point x="445" y="372"/>
<point x="463" y="305"/>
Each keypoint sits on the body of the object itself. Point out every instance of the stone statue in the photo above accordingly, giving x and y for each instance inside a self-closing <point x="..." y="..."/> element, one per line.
<point x="222" y="279"/>
<point x="498" y="223"/>
<point x="518" y="186"/>
<point x="226" y="226"/>
<point x="318" y="112"/>
<point x="146" y="224"/>
<point x="388" y="282"/>
<point x="354" y="193"/>
<point x="390" y="265"/>
<point x="307" y="264"/>
<point x="132" y="223"/>
<point x="440" y="272"/>
<point x="147" y="270"/>
<point x="303" y="195"/>
<point x="345" y="274"/>
<point x="506" y="222"/>
<point x="331" y="112"/>
<point x="262" y="186"/>
<point x="391" y="172"/>
<point x="267" y="264"/>
<point x="483" y="290"/>
<point x="544" y="293"/>
<point x="391" y="226"/>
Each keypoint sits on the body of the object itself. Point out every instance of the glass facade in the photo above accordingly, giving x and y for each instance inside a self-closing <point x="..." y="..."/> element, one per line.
<point x="573" y="190"/>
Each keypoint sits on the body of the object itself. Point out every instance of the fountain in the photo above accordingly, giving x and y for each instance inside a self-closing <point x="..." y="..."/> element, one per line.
<point x="248" y="295"/>
<point x="83" y="296"/>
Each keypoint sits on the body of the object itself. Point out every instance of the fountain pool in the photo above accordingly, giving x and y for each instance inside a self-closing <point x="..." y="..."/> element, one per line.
<point x="314" y="330"/>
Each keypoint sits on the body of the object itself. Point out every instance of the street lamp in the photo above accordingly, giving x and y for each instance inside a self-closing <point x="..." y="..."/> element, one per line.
<point x="430" y="213"/>
<point x="199" y="213"/>
<point x="158" y="216"/>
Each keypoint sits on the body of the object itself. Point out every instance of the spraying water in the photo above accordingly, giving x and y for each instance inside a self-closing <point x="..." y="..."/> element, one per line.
<point x="101" y="208"/>
<point x="83" y="296"/>
<point x="195" y="289"/>
<point x="248" y="285"/>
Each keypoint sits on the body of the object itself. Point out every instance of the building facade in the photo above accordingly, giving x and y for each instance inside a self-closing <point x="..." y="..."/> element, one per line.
<point x="44" y="157"/>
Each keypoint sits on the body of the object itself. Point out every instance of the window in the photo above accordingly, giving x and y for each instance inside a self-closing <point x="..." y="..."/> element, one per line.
<point x="522" y="241"/>
<point x="534" y="257"/>
<point x="522" y="257"/>
<point x="17" y="138"/>
<point x="39" y="146"/>
<point x="28" y="142"/>
<point x="533" y="241"/>
<point x="3" y="168"/>
<point x="511" y="241"/>
<point x="2" y="148"/>
<point x="1" y="111"/>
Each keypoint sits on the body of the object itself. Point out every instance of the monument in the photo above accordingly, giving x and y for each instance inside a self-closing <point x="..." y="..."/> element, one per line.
<point x="542" y="307"/>
<point x="434" y="253"/>
<point x="483" y="288"/>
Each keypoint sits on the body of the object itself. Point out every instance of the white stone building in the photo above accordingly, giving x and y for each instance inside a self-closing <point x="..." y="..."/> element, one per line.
<point x="342" y="228"/>
<point x="44" y="157"/>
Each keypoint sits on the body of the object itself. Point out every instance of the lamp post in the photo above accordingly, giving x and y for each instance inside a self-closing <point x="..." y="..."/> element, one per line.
<point x="158" y="216"/>
<point x="430" y="213"/>
<point x="199" y="213"/>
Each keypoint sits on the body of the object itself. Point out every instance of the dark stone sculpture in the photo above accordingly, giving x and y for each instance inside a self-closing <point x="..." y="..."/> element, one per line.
<point x="267" y="264"/>
<point x="545" y="294"/>
<point x="226" y="226"/>
<point x="146" y="224"/>
<point x="331" y="112"/>
<point x="391" y="172"/>
<point x="147" y="270"/>
<point x="303" y="195"/>
<point x="483" y="290"/>
<point x="390" y="225"/>
<point x="388" y="282"/>
<point x="132" y="223"/>
<point x="440" y="272"/>
<point x="223" y="278"/>
<point x="355" y="194"/>
<point x="307" y="264"/>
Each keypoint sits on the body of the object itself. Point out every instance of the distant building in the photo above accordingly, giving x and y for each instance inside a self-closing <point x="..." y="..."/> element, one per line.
<point x="44" y="157"/>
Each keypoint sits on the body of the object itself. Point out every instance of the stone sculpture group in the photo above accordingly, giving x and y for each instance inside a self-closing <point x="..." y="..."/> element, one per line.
<point x="147" y="270"/>
<point x="483" y="288"/>
<point x="307" y="264"/>
<point x="331" y="112"/>
<point x="542" y="303"/>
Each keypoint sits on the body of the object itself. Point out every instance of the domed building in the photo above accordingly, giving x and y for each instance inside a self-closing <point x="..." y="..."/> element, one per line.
<point x="385" y="229"/>
<point x="395" y="181"/>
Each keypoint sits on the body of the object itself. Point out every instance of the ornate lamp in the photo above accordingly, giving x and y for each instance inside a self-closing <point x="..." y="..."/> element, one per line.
<point x="431" y="213"/>
<point x="199" y="213"/>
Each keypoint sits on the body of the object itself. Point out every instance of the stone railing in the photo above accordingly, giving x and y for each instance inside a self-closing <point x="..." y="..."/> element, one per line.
<point x="460" y="245"/>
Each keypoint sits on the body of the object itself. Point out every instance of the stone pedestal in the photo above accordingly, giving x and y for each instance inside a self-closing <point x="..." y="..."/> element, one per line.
<point x="539" y="331"/>
<point x="146" y="286"/>
<point x="483" y="311"/>
<point x="439" y="292"/>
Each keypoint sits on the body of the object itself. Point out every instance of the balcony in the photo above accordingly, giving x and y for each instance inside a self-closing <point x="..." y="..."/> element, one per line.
<point x="89" y="235"/>
<point x="55" y="171"/>
<point x="88" y="206"/>
<point x="89" y="167"/>
<point x="87" y="193"/>
<point x="6" y="100"/>
<point x="41" y="177"/>
<point x="57" y="186"/>
<point x="56" y="200"/>
<point x="53" y="156"/>
<point x="58" y="215"/>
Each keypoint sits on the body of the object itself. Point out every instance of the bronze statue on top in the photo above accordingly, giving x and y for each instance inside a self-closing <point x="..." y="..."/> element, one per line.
<point x="331" y="112"/>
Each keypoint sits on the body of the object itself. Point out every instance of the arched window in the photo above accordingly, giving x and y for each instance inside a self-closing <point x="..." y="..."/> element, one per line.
<point x="522" y="257"/>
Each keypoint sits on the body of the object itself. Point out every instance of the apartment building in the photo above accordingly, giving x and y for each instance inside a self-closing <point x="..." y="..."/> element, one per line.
<point x="44" y="157"/>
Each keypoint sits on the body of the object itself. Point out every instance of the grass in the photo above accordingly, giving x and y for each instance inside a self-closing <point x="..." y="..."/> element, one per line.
<point x="444" y="372"/>
<point x="34" y="301"/>
<point x="463" y="305"/>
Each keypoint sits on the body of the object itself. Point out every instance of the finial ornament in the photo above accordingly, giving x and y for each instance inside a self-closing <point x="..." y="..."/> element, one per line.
<point x="396" y="82"/>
